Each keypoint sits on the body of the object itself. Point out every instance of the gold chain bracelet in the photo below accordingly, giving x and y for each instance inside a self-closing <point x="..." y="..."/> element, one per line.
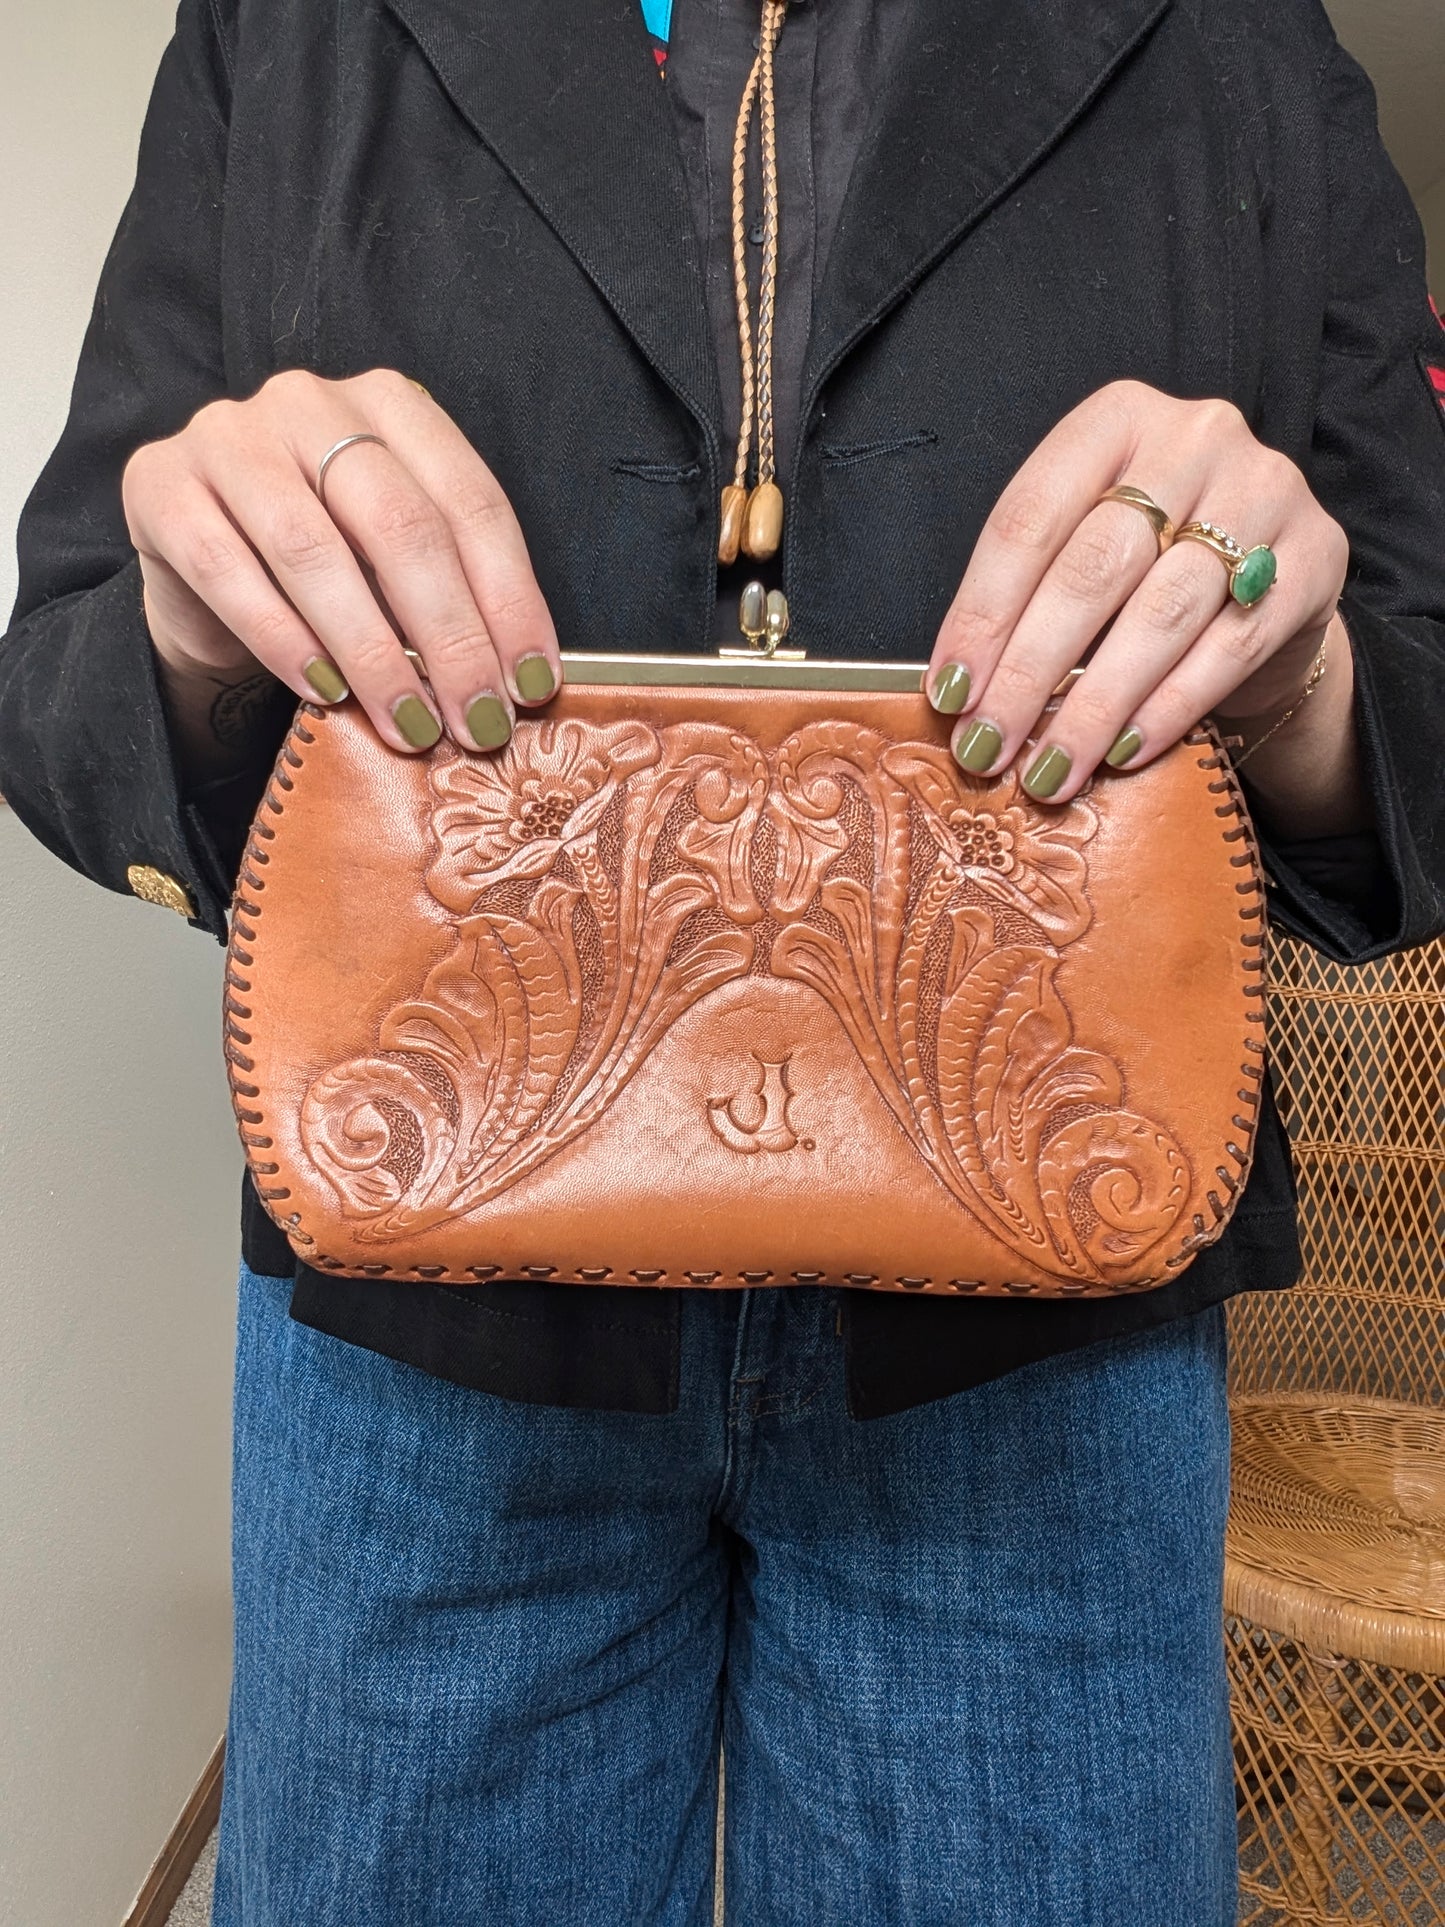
<point x="1312" y="683"/>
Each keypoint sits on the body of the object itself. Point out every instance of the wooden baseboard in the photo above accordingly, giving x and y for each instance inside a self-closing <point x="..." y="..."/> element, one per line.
<point x="162" y="1885"/>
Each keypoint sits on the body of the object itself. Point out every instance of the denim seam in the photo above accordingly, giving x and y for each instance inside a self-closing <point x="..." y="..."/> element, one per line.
<point x="725" y="1492"/>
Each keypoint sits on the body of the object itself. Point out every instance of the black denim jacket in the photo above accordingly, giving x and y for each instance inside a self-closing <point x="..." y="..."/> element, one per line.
<point x="1046" y="197"/>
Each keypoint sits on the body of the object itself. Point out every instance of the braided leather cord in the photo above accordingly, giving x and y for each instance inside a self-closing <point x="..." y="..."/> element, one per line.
<point x="768" y="286"/>
<point x="757" y="376"/>
<point x="740" y="270"/>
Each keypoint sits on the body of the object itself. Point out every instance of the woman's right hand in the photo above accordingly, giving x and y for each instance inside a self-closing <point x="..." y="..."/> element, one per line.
<point x="416" y="546"/>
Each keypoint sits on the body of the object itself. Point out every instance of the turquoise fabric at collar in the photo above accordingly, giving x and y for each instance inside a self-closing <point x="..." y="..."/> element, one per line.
<point x="657" y="17"/>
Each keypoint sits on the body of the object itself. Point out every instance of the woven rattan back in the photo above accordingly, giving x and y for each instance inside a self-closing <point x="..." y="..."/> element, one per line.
<point x="1335" y="1565"/>
<point x="1359" y="1065"/>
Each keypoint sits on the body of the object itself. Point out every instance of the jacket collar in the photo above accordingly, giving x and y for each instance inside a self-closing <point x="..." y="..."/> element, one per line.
<point x="566" y="96"/>
<point x="980" y="93"/>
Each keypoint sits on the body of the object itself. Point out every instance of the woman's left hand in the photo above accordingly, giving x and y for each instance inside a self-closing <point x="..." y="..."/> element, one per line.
<point x="1054" y="566"/>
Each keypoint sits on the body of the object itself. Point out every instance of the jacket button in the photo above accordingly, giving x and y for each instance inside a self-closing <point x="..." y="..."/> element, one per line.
<point x="154" y="886"/>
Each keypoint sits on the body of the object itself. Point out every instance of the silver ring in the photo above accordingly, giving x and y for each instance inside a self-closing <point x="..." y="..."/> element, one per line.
<point x="331" y="454"/>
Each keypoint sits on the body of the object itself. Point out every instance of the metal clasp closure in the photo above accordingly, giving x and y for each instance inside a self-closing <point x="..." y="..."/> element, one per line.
<point x="763" y="619"/>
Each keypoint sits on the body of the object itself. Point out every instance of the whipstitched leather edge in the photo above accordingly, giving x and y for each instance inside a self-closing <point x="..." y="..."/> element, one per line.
<point x="1236" y="828"/>
<point x="1233" y="811"/>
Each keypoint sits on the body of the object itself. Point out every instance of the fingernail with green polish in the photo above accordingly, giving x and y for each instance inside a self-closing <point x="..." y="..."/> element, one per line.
<point x="1047" y="773"/>
<point x="416" y="722"/>
<point x="1127" y="745"/>
<point x="978" y="750"/>
<point x="488" y="722"/>
<point x="326" y="679"/>
<point x="950" y="689"/>
<point x="534" y="679"/>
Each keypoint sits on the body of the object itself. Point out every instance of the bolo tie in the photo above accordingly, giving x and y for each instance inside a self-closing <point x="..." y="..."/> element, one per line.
<point x="751" y="522"/>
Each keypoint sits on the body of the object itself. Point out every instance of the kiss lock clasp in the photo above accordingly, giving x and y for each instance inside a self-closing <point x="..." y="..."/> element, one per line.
<point x="763" y="619"/>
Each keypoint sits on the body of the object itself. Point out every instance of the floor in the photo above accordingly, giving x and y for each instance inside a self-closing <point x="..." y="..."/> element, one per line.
<point x="193" y="1909"/>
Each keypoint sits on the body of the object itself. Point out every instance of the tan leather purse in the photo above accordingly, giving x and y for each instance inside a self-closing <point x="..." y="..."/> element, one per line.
<point x="732" y="976"/>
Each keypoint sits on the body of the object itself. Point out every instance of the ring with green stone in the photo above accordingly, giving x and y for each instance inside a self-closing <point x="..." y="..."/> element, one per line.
<point x="1252" y="572"/>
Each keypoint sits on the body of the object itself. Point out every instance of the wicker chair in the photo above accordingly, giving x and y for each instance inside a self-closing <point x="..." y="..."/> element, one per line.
<point x="1335" y="1576"/>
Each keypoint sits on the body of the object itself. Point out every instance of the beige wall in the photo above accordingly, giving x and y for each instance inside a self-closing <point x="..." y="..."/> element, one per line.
<point x="118" y="1166"/>
<point x="1401" y="45"/>
<point x="117" y="1160"/>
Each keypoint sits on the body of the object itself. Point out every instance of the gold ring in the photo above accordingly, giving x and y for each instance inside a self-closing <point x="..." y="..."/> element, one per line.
<point x="1135" y="498"/>
<point x="1252" y="572"/>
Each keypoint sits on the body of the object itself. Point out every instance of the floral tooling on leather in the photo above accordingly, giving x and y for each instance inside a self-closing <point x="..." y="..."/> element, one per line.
<point x="604" y="879"/>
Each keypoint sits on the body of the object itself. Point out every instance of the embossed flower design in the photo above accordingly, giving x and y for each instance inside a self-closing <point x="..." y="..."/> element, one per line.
<point x="509" y="815"/>
<point x="1026" y="857"/>
<point x="986" y="842"/>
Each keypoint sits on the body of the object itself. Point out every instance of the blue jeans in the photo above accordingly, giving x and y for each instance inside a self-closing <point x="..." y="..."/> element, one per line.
<point x="964" y="1664"/>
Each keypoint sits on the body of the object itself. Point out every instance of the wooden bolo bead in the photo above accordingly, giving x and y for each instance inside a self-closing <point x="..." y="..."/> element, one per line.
<point x="763" y="523"/>
<point x="730" y="529"/>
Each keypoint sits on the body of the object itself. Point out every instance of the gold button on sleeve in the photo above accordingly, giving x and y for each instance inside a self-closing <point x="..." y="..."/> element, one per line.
<point x="154" y="886"/>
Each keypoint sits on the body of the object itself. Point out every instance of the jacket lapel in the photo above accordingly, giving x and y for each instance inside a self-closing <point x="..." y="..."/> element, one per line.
<point x="567" y="96"/>
<point x="980" y="91"/>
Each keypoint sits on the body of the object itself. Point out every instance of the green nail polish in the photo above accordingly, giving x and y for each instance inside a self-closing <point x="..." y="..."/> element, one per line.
<point x="534" y="678"/>
<point x="488" y="722"/>
<point x="416" y="722"/>
<point x="950" y="689"/>
<point x="1127" y="745"/>
<point x="326" y="679"/>
<point x="980" y="747"/>
<point x="1047" y="772"/>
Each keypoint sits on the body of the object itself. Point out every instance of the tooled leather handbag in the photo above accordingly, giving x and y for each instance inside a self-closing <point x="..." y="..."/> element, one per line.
<point x="724" y="973"/>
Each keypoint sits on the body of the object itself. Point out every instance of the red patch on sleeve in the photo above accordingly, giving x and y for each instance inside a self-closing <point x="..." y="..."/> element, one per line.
<point x="1433" y="374"/>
